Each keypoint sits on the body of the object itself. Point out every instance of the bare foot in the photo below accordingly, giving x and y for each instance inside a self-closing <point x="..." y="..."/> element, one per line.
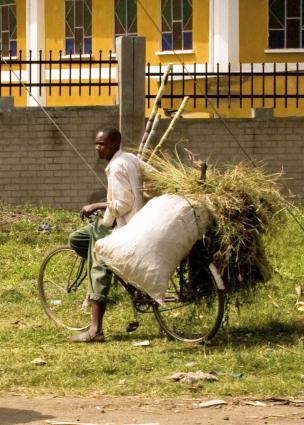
<point x="88" y="336"/>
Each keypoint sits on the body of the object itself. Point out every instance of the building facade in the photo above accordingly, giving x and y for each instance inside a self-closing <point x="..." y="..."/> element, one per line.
<point x="210" y="36"/>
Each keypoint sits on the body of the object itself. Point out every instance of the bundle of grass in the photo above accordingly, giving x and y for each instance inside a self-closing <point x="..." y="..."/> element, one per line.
<point x="245" y="203"/>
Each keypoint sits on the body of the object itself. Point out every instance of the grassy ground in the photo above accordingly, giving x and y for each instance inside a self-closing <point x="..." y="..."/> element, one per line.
<point x="263" y="339"/>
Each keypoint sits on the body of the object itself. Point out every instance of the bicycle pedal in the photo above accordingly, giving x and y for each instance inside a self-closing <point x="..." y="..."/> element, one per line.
<point x="132" y="326"/>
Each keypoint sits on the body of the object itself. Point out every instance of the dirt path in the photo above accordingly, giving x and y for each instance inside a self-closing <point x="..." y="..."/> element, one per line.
<point x="19" y="410"/>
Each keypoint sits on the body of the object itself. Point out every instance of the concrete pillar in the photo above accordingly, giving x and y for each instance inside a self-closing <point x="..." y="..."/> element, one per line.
<point x="35" y="41"/>
<point x="131" y="88"/>
<point x="224" y="33"/>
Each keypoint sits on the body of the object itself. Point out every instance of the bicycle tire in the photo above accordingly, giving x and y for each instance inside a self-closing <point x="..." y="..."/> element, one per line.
<point x="192" y="321"/>
<point x="62" y="304"/>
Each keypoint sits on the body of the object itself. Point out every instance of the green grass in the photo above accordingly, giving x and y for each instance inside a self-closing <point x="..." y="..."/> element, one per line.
<point x="263" y="334"/>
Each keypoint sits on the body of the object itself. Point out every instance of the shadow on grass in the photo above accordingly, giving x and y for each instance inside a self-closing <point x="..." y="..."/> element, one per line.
<point x="18" y="416"/>
<point x="275" y="332"/>
<point x="271" y="333"/>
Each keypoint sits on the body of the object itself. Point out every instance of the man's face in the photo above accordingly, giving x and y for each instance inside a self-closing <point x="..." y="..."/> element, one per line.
<point x="104" y="146"/>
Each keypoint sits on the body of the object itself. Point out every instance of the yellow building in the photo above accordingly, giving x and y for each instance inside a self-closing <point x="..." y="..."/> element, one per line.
<point x="207" y="36"/>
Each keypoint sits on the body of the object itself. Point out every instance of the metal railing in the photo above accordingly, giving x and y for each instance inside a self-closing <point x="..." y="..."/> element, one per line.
<point x="47" y="71"/>
<point x="259" y="83"/>
<point x="253" y="82"/>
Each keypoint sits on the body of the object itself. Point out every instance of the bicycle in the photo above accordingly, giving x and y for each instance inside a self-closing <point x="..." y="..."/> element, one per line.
<point x="193" y="306"/>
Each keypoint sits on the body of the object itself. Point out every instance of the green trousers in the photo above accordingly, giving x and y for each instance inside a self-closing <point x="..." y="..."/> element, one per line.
<point x="83" y="241"/>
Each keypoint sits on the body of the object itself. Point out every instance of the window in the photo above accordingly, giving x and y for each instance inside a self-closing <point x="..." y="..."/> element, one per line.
<point x="78" y="26"/>
<point x="8" y="27"/>
<point x="176" y="24"/>
<point x="286" y="24"/>
<point x="125" y="17"/>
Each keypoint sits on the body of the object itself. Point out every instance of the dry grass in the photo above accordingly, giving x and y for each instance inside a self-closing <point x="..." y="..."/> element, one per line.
<point x="245" y="205"/>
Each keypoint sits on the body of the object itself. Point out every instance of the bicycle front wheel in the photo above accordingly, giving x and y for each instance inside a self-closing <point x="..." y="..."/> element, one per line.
<point x="195" y="317"/>
<point x="62" y="288"/>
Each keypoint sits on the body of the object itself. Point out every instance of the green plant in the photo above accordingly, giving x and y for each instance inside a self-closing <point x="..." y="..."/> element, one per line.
<point x="263" y="339"/>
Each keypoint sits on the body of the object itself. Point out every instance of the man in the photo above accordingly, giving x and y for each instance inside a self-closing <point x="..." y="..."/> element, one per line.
<point x="124" y="199"/>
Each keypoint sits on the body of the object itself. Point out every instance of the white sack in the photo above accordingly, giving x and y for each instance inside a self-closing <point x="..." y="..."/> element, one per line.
<point x="146" y="251"/>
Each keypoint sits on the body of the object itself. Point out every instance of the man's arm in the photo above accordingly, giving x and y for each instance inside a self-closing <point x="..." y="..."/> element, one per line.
<point x="122" y="196"/>
<point x="88" y="210"/>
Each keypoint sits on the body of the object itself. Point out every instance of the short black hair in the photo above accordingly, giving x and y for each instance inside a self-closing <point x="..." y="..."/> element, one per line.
<point x="111" y="133"/>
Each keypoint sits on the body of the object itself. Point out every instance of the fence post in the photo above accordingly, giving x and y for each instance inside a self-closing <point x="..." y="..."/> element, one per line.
<point x="131" y="88"/>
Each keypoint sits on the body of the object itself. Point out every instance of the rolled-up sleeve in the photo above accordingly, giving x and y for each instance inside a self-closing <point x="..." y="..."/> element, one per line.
<point x="122" y="197"/>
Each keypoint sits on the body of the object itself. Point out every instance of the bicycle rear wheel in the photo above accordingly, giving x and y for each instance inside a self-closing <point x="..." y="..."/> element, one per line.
<point x="62" y="288"/>
<point x="195" y="316"/>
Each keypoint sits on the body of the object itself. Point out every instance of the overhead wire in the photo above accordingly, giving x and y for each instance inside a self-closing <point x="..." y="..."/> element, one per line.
<point x="215" y="110"/>
<point x="187" y="71"/>
<point x="59" y="129"/>
<point x="197" y="85"/>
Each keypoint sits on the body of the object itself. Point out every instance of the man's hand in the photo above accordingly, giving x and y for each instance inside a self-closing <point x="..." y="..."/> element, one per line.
<point x="88" y="210"/>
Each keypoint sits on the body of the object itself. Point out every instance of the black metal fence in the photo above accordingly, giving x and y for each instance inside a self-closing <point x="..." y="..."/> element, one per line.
<point x="254" y="82"/>
<point x="263" y="84"/>
<point x="58" y="72"/>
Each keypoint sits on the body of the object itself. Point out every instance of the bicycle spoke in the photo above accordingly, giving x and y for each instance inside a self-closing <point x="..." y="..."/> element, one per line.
<point x="62" y="288"/>
<point x="192" y="315"/>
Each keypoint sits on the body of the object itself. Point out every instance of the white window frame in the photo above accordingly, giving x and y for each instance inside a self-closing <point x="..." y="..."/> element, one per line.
<point x="75" y="54"/>
<point x="126" y="33"/>
<point x="183" y="50"/>
<point x="301" y="39"/>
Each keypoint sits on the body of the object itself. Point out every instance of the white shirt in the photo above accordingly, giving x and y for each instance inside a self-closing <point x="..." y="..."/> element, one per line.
<point x="124" y="196"/>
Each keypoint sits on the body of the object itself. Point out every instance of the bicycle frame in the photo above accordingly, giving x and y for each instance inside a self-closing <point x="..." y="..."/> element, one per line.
<point x="80" y="276"/>
<point x="139" y="298"/>
<point x="183" y="291"/>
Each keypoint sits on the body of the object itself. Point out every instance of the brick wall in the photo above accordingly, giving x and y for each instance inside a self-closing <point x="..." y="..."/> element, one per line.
<point x="277" y="144"/>
<point x="38" y="166"/>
